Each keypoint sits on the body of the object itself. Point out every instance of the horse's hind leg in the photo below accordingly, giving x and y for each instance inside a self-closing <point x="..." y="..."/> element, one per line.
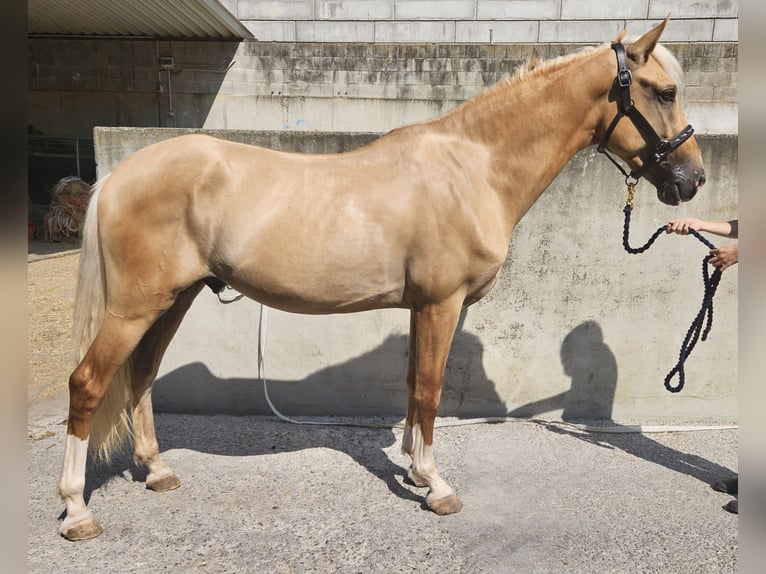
<point x="145" y="364"/>
<point x="431" y="332"/>
<point x="88" y="384"/>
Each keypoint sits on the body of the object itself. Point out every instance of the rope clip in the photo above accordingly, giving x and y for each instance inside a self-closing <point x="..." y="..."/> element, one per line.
<point x="631" y="190"/>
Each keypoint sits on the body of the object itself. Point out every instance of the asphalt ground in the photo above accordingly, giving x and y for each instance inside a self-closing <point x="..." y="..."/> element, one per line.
<point x="260" y="495"/>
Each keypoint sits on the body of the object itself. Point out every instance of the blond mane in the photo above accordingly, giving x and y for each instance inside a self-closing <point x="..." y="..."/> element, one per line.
<point x="526" y="72"/>
<point x="535" y="68"/>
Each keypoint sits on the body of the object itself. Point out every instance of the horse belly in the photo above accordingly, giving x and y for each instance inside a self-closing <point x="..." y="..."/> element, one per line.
<point x="298" y="275"/>
<point x="314" y="293"/>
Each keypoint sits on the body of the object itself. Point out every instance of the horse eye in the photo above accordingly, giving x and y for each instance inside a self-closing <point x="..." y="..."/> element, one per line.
<point x="668" y="96"/>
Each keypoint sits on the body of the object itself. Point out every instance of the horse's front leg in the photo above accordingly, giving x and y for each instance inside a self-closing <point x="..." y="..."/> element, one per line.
<point x="431" y="332"/>
<point x="408" y="438"/>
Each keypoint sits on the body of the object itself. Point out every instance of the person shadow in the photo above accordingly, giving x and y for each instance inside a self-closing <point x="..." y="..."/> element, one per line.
<point x="592" y="366"/>
<point x="370" y="385"/>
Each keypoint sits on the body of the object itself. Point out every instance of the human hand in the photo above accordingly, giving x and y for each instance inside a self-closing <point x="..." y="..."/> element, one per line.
<point x="724" y="257"/>
<point x="682" y="226"/>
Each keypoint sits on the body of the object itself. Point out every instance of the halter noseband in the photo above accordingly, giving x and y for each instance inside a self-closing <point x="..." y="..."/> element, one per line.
<point x="661" y="148"/>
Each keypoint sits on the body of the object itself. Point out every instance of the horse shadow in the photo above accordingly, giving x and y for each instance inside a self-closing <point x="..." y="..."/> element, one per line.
<point x="592" y="366"/>
<point x="238" y="436"/>
<point x="372" y="384"/>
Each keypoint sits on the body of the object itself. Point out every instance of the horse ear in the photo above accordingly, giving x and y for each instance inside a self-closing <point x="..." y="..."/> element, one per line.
<point x="640" y="50"/>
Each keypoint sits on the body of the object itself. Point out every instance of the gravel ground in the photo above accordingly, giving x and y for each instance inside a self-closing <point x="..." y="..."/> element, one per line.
<point x="261" y="495"/>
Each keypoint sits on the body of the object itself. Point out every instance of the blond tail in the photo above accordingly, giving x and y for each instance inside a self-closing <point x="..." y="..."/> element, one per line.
<point x="111" y="425"/>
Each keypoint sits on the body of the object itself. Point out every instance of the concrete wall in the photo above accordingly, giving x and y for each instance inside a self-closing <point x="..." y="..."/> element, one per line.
<point x="77" y="84"/>
<point x="480" y="21"/>
<point x="575" y="326"/>
<point x="377" y="87"/>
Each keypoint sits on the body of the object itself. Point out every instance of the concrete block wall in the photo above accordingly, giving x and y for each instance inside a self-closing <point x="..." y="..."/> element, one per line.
<point x="485" y="21"/>
<point x="575" y="327"/>
<point x="77" y="84"/>
<point x="376" y="87"/>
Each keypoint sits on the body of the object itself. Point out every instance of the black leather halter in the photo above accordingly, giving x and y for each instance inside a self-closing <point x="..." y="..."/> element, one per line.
<point x="660" y="148"/>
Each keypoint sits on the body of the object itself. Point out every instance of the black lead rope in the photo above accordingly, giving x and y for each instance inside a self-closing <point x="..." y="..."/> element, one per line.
<point x="710" y="283"/>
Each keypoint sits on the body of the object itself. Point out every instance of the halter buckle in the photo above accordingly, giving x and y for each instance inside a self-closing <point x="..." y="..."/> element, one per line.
<point x="624" y="78"/>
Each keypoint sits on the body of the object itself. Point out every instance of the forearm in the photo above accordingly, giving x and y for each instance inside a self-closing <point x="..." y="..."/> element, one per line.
<point x="722" y="228"/>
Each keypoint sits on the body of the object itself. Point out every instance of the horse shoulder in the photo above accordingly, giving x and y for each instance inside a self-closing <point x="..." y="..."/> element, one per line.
<point x="461" y="240"/>
<point x="463" y="168"/>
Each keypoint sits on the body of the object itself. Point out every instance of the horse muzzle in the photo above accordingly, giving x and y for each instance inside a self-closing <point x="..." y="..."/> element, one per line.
<point x="675" y="184"/>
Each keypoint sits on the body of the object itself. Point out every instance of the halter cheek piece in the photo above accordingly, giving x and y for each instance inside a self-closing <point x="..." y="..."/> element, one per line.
<point x="660" y="148"/>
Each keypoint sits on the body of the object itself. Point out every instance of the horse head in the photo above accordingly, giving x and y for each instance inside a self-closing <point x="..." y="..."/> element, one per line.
<point x="649" y="131"/>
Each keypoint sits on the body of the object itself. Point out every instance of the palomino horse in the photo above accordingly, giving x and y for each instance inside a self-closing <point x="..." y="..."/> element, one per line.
<point x="419" y="219"/>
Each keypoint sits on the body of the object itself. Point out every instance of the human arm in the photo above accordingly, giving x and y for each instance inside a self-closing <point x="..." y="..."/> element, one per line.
<point x="722" y="228"/>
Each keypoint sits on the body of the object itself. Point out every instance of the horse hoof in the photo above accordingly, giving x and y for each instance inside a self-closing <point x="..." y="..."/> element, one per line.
<point x="164" y="483"/>
<point x="447" y="505"/>
<point x="88" y="528"/>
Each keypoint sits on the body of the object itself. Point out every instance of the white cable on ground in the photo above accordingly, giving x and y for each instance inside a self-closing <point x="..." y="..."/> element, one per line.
<point x="262" y="328"/>
<point x="613" y="429"/>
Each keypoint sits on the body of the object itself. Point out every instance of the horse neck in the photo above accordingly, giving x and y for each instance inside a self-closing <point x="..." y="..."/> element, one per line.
<point x="533" y="126"/>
